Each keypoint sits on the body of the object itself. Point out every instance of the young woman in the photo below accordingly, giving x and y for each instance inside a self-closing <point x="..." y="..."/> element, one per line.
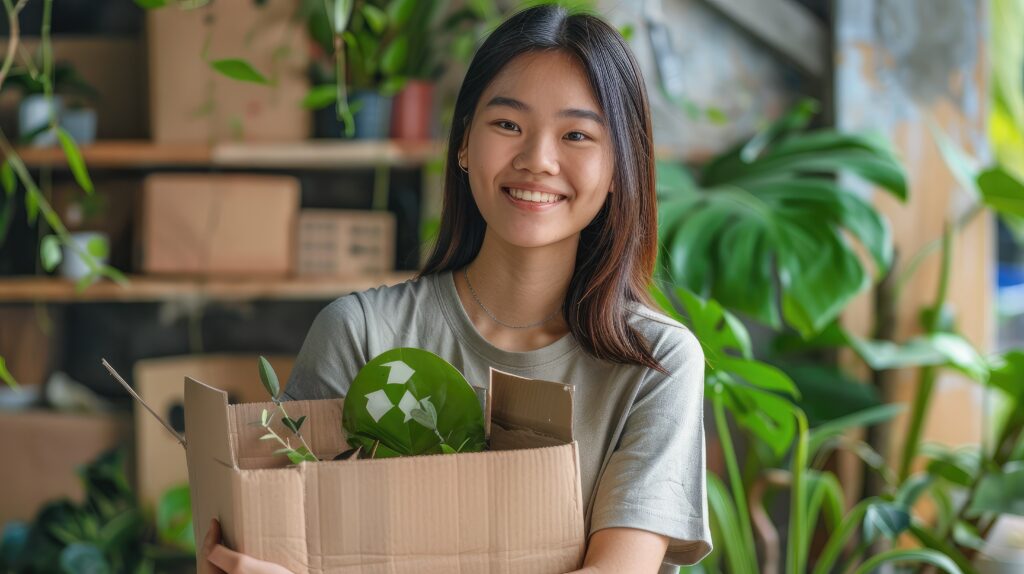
<point x="546" y="248"/>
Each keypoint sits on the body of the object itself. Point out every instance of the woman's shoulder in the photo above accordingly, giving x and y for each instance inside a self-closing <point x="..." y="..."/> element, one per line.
<point x="671" y="342"/>
<point x="384" y="300"/>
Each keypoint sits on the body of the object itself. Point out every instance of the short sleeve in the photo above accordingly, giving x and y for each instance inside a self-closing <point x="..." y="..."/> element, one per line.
<point x="332" y="354"/>
<point x="655" y="478"/>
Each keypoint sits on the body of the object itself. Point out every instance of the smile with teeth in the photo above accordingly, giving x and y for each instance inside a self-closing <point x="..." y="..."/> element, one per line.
<point x="533" y="196"/>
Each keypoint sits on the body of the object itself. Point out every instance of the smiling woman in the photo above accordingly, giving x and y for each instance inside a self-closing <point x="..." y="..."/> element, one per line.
<point x="546" y="247"/>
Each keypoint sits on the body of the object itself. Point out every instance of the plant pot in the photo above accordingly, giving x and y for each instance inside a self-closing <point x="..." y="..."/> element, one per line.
<point x="72" y="265"/>
<point x="412" y="111"/>
<point x="80" y="123"/>
<point x="33" y="113"/>
<point x="372" y="113"/>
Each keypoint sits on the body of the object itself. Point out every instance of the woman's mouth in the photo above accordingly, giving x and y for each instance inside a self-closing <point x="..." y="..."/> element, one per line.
<point x="532" y="198"/>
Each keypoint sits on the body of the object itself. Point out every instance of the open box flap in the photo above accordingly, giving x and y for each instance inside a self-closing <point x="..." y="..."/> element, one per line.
<point x="210" y="459"/>
<point x="542" y="406"/>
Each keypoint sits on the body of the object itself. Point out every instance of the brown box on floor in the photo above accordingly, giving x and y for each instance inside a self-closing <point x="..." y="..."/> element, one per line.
<point x="159" y="459"/>
<point x="42" y="450"/>
<point x="516" y="508"/>
<point x="222" y="225"/>
<point x="337" y="243"/>
<point x="191" y="102"/>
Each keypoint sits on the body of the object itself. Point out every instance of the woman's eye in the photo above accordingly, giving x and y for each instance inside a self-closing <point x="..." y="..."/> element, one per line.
<point x="507" y="125"/>
<point x="572" y="136"/>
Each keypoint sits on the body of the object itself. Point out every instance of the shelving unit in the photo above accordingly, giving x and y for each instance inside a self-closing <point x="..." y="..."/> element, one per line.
<point x="312" y="154"/>
<point x="148" y="288"/>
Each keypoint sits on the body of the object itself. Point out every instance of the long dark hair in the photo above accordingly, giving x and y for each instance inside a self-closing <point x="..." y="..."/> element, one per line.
<point x="617" y="250"/>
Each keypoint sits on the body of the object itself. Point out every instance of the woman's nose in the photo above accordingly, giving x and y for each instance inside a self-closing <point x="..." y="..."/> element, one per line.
<point x="538" y="155"/>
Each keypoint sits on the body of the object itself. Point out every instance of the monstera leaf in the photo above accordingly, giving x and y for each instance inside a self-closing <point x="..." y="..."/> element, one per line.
<point x="409" y="401"/>
<point x="765" y="228"/>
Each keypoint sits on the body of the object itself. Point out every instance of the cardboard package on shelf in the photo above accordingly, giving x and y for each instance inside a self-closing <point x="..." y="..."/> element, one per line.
<point x="218" y="225"/>
<point x="159" y="459"/>
<point x="344" y="243"/>
<point x="43" y="451"/>
<point x="516" y="508"/>
<point x="191" y="102"/>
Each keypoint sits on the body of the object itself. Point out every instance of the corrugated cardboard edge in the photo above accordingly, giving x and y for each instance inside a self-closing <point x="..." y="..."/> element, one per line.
<point x="210" y="462"/>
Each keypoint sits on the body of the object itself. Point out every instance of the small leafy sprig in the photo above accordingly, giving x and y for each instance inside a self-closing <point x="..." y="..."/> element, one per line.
<point x="426" y="415"/>
<point x="273" y="386"/>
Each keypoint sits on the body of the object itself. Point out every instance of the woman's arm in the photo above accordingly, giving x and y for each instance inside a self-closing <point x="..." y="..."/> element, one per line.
<point x="624" y="551"/>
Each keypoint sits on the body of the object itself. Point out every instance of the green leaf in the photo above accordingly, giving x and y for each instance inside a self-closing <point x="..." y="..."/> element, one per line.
<point x="864" y="418"/>
<point x="885" y="518"/>
<point x="320" y="96"/>
<point x="915" y="556"/>
<point x="1002" y="493"/>
<point x="936" y="349"/>
<point x="75" y="161"/>
<point x="342" y="15"/>
<point x="10" y="185"/>
<point x="240" y="70"/>
<point x="401" y="381"/>
<point x="50" y="252"/>
<point x="395" y="55"/>
<point x="268" y="436"/>
<point x="6" y="375"/>
<point x="963" y="167"/>
<point x="31" y="206"/>
<point x="399" y="11"/>
<point x="269" y="378"/>
<point x="376" y="18"/>
<point x="447" y="449"/>
<point x="151" y="4"/>
<point x="97" y="247"/>
<point x="949" y="470"/>
<point x="758" y="374"/>
<point x="912" y="489"/>
<point x="1002" y="192"/>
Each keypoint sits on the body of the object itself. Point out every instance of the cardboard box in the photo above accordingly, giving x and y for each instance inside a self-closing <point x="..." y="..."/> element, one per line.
<point x="42" y="451"/>
<point x="192" y="103"/>
<point x="239" y="225"/>
<point x="159" y="459"/>
<point x="514" y="509"/>
<point x="26" y="344"/>
<point x="337" y="242"/>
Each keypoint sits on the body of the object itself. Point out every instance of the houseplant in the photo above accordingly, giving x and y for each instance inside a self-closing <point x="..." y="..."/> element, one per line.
<point x="67" y="105"/>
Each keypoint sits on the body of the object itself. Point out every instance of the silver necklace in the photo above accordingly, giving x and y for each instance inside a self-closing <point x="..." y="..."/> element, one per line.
<point x="465" y="273"/>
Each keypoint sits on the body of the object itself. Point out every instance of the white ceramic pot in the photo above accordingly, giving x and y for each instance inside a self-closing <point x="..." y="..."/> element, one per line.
<point x="33" y="113"/>
<point x="72" y="266"/>
<point x="80" y="123"/>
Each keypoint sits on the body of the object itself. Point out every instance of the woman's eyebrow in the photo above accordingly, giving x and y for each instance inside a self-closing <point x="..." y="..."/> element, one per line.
<point x="567" y="113"/>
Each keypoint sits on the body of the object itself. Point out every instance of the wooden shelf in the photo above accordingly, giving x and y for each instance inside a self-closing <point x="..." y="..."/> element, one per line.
<point x="312" y="154"/>
<point x="147" y="288"/>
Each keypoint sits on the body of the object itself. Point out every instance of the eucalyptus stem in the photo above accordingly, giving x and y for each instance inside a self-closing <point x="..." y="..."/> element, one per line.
<point x="297" y="433"/>
<point x="926" y="383"/>
<point x="735" y="480"/>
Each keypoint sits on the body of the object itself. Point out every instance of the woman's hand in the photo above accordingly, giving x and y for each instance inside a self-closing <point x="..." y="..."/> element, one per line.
<point x="624" y="550"/>
<point x="218" y="559"/>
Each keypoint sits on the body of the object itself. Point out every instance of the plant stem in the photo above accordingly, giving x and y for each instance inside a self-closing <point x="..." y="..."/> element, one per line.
<point x="47" y="46"/>
<point x="795" y="558"/>
<point x="735" y="480"/>
<point x="297" y="433"/>
<point x="926" y="382"/>
<point x="13" y="37"/>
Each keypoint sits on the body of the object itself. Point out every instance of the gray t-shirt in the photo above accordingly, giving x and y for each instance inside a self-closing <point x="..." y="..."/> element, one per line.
<point x="640" y="432"/>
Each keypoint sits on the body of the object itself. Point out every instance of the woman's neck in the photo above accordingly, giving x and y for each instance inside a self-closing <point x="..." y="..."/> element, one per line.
<point x="519" y="286"/>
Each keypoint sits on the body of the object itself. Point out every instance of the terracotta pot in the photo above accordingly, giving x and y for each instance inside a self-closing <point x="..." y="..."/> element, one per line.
<point x="411" y="114"/>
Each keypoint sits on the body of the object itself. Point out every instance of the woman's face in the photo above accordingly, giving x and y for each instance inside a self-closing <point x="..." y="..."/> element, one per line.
<point x="539" y="151"/>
